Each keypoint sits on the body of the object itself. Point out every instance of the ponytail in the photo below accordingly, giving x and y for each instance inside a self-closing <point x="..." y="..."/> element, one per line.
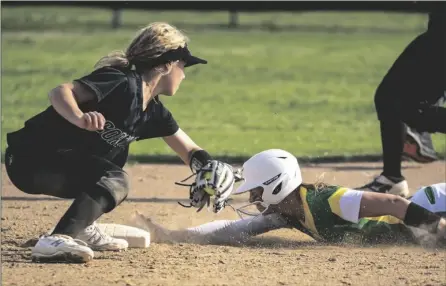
<point x="113" y="59"/>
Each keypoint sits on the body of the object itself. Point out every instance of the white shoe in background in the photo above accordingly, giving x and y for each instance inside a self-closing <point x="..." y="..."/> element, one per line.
<point x="98" y="240"/>
<point x="382" y="184"/>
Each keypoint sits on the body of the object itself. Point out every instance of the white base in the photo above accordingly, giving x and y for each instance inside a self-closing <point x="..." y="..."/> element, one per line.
<point x="136" y="237"/>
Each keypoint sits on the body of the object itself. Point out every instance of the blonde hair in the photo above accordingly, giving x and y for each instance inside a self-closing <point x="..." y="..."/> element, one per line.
<point x="150" y="42"/>
<point x="318" y="185"/>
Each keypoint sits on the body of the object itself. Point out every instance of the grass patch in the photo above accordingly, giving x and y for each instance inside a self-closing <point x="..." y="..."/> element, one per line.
<point x="303" y="82"/>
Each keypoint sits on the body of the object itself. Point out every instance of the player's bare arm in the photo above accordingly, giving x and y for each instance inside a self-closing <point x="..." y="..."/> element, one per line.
<point x="183" y="145"/>
<point x="66" y="98"/>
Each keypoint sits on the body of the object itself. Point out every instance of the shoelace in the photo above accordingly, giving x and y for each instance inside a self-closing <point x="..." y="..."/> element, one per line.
<point x="67" y="238"/>
<point x="98" y="235"/>
<point x="102" y="234"/>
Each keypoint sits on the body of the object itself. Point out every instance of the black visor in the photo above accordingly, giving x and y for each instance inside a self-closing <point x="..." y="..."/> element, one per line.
<point x="181" y="53"/>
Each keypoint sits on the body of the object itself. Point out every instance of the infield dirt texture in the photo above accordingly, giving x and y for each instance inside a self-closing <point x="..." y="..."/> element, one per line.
<point x="282" y="257"/>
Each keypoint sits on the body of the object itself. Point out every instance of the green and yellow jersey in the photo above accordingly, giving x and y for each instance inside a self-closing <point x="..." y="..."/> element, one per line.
<point x="324" y="219"/>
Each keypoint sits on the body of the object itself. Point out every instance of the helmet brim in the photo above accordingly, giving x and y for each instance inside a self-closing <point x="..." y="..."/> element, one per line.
<point x="245" y="187"/>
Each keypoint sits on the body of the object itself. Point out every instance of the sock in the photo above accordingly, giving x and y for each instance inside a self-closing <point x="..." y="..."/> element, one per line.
<point x="417" y="215"/>
<point x="83" y="212"/>
<point x="393" y="135"/>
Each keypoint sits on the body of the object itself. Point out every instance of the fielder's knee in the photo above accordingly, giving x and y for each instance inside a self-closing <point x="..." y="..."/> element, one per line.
<point x="385" y="105"/>
<point x="116" y="183"/>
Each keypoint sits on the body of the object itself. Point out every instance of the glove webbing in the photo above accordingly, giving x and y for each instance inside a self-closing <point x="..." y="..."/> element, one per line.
<point x="191" y="186"/>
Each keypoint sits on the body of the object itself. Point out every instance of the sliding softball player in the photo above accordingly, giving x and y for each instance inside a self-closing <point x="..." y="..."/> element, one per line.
<point x="326" y="213"/>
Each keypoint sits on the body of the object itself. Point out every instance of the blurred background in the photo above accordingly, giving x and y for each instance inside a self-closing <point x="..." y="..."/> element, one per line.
<point x="300" y="80"/>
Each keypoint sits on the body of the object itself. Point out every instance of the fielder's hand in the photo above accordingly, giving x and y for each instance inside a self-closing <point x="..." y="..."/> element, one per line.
<point x="91" y="121"/>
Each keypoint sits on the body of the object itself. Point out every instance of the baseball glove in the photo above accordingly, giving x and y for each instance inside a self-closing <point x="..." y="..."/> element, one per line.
<point x="215" y="179"/>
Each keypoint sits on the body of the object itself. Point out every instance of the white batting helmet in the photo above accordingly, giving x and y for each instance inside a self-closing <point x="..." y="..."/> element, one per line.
<point x="276" y="171"/>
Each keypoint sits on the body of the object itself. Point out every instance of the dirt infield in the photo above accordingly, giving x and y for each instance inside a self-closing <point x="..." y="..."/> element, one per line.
<point x="283" y="257"/>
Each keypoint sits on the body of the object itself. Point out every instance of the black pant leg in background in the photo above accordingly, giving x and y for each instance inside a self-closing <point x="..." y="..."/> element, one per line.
<point x="415" y="80"/>
<point x="408" y="94"/>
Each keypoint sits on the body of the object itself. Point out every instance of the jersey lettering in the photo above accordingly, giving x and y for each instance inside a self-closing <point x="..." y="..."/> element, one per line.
<point x="114" y="136"/>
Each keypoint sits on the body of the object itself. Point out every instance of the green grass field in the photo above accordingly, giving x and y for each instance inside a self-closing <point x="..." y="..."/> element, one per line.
<point x="303" y="82"/>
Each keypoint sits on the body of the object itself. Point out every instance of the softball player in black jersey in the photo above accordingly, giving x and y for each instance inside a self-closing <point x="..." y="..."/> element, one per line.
<point x="409" y="103"/>
<point x="77" y="147"/>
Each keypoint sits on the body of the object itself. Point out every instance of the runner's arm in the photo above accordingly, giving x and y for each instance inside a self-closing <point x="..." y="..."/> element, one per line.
<point x="216" y="232"/>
